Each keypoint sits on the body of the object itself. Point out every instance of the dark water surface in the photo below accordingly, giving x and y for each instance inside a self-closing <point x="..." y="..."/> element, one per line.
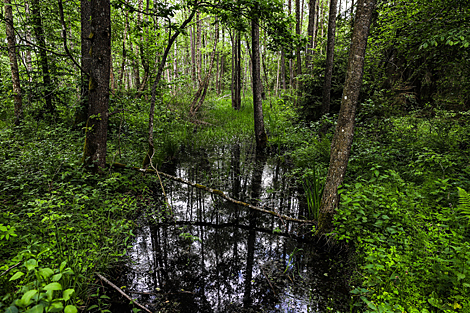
<point x="218" y="257"/>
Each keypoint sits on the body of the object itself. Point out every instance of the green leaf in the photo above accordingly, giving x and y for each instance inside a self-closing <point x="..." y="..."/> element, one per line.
<point x="36" y="309"/>
<point x="460" y="276"/>
<point x="12" y="309"/>
<point x="67" y="293"/>
<point x="62" y="265"/>
<point x="26" y="298"/>
<point x="31" y="264"/>
<point x="56" y="307"/>
<point x="46" y="272"/>
<point x="53" y="286"/>
<point x="56" y="277"/>
<point x="16" y="276"/>
<point x="70" y="309"/>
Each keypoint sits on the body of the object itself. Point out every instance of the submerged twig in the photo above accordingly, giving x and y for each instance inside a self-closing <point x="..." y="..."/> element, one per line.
<point x="122" y="292"/>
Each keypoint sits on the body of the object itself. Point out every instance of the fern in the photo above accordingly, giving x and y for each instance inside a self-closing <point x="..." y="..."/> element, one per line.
<point x="464" y="203"/>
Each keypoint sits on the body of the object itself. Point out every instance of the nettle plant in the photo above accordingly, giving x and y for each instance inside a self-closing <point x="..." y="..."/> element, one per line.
<point x="41" y="290"/>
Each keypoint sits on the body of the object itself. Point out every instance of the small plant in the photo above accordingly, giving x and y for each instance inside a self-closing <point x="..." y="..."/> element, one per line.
<point x="40" y="289"/>
<point x="313" y="192"/>
<point x="464" y="203"/>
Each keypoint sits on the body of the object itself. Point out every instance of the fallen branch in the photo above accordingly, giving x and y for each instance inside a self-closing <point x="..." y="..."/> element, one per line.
<point x="216" y="192"/>
<point x="122" y="292"/>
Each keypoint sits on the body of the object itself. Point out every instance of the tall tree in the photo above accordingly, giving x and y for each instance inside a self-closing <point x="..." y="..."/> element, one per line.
<point x="41" y="41"/>
<point x="260" y="134"/>
<point x="310" y="32"/>
<point x="236" y="70"/>
<point x="100" y="53"/>
<point x="298" y="26"/>
<point x="330" y="52"/>
<point x="342" y="140"/>
<point x="81" y="114"/>
<point x="15" y="75"/>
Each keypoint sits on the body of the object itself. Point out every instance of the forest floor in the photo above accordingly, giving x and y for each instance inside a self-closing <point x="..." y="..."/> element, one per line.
<point x="400" y="208"/>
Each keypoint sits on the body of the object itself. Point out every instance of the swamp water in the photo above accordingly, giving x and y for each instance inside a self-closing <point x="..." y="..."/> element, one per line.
<point x="215" y="256"/>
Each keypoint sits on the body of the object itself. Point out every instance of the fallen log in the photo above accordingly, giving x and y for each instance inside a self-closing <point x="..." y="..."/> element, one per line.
<point x="215" y="192"/>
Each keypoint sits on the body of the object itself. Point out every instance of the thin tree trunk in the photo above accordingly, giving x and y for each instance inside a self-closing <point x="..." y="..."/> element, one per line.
<point x="343" y="138"/>
<point x="161" y="67"/>
<point x="97" y="124"/>
<point x="283" y="70"/>
<point x="310" y="32"/>
<point x="39" y="33"/>
<point x="15" y="75"/>
<point x="297" y="31"/>
<point x="29" y="64"/>
<point x="198" y="49"/>
<point x="330" y="53"/>
<point x="124" y="51"/>
<point x="260" y="134"/>
<point x="198" y="98"/>
<point x="81" y="114"/>
<point x="291" y="68"/>
<point x="277" y="76"/>
<point x="236" y="71"/>
<point x="193" y="54"/>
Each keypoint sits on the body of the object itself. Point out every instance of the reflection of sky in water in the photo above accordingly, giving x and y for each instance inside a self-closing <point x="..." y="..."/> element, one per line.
<point x="209" y="275"/>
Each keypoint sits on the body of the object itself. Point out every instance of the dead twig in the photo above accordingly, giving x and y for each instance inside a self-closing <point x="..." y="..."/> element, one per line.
<point x="122" y="292"/>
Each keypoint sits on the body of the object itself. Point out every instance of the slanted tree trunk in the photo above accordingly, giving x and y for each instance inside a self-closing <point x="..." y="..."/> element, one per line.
<point x="342" y="140"/>
<point x="39" y="33"/>
<point x="260" y="134"/>
<point x="15" y="75"/>
<point x="330" y="52"/>
<point x="97" y="124"/>
<point x="161" y="67"/>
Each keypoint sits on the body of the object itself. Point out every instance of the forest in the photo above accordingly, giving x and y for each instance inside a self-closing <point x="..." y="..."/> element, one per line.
<point x="235" y="156"/>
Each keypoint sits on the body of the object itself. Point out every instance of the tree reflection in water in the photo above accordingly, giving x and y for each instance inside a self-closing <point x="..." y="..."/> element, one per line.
<point x="217" y="257"/>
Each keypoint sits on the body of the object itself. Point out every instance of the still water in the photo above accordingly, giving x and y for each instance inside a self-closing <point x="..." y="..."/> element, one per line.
<point x="214" y="256"/>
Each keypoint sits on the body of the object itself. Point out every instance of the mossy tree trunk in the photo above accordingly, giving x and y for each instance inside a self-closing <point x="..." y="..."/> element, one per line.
<point x="100" y="53"/>
<point x="15" y="75"/>
<point x="342" y="140"/>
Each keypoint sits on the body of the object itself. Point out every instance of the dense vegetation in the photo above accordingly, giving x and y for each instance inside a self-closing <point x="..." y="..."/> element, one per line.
<point x="404" y="212"/>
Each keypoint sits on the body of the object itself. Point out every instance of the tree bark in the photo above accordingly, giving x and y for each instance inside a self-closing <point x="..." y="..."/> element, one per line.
<point x="310" y="32"/>
<point x="260" y="134"/>
<point x="342" y="140"/>
<point x="330" y="52"/>
<point x="236" y="71"/>
<point x="153" y="100"/>
<point x="297" y="31"/>
<point x="81" y="114"/>
<point x="39" y="33"/>
<point x="124" y="51"/>
<point x="100" y="52"/>
<point x="15" y="74"/>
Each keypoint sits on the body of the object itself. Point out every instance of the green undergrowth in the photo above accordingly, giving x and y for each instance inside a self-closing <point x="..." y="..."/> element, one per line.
<point x="58" y="223"/>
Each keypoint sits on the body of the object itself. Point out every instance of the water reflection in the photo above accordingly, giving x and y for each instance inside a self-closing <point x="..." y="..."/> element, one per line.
<point x="218" y="257"/>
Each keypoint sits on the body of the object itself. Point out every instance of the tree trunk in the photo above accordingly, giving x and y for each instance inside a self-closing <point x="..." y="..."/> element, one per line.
<point x="310" y="33"/>
<point x="81" y="114"/>
<point x="297" y="51"/>
<point x="39" y="33"/>
<point x="291" y="68"/>
<point x="342" y="140"/>
<point x="236" y="71"/>
<point x="124" y="51"/>
<point x="260" y="134"/>
<point x="29" y="66"/>
<point x="330" y="52"/>
<point x="97" y="124"/>
<point x="161" y="67"/>
<point x="283" y="70"/>
<point x="15" y="75"/>
<point x="199" y="98"/>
